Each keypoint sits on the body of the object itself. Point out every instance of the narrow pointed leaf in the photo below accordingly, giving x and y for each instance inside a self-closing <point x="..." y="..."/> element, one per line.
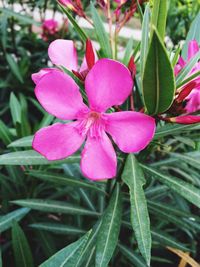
<point x="159" y="16"/>
<point x="186" y="190"/>
<point x="133" y="257"/>
<point x="54" y="206"/>
<point x="22" y="142"/>
<point x="31" y="157"/>
<point x="79" y="30"/>
<point x="67" y="256"/>
<point x="134" y="178"/>
<point x="15" y="109"/>
<point x="101" y="33"/>
<point x="65" y="180"/>
<point x="145" y="38"/>
<point x="128" y="52"/>
<point x="21" y="248"/>
<point x="6" y="221"/>
<point x="14" y="67"/>
<point x="109" y="231"/>
<point x="58" y="228"/>
<point x="158" y="78"/>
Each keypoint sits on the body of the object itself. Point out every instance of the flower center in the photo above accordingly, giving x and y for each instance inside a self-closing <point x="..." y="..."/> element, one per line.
<point x="92" y="123"/>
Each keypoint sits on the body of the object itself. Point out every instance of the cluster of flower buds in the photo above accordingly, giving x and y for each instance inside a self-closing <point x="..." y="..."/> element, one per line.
<point x="74" y="5"/>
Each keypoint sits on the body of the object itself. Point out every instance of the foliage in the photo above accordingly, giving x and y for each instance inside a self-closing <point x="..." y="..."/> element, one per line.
<point x="50" y="214"/>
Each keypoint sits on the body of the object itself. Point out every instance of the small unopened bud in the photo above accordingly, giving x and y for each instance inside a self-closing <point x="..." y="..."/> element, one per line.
<point x="66" y="3"/>
<point x="90" y="56"/>
<point x="187" y="119"/>
<point x="132" y="66"/>
<point x="186" y="90"/>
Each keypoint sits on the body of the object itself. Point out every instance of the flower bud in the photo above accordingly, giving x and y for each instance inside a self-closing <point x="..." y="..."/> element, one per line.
<point x="187" y="119"/>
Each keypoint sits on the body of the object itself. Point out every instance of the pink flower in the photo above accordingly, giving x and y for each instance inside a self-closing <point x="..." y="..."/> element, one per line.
<point x="63" y="53"/>
<point x="193" y="101"/>
<point x="50" y="26"/>
<point x="108" y="83"/>
<point x="191" y="91"/>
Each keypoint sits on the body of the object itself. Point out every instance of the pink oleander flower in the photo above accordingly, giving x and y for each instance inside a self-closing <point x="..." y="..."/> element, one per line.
<point x="63" y="53"/>
<point x="50" y="25"/>
<point x="191" y="91"/>
<point x="108" y="83"/>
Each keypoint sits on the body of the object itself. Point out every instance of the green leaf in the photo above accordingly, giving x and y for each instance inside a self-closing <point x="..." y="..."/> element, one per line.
<point x="102" y="36"/>
<point x="6" y="221"/>
<point x="167" y="240"/>
<point x="14" y="67"/>
<point x="186" y="70"/>
<point x="80" y="31"/>
<point x="58" y="228"/>
<point x="85" y="254"/>
<point x="15" y="109"/>
<point x="54" y="206"/>
<point x="171" y="129"/>
<point x="133" y="257"/>
<point x="65" y="180"/>
<point x="22" y="252"/>
<point x="1" y="264"/>
<point x="68" y="255"/>
<point x="128" y="52"/>
<point x="188" y="158"/>
<point x="145" y="38"/>
<point x="134" y="178"/>
<point x="31" y="157"/>
<point x="159" y="16"/>
<point x="158" y="79"/>
<point x="193" y="34"/>
<point x="186" y="190"/>
<point x="107" y="237"/>
<point x="22" y="142"/>
<point x="5" y="134"/>
<point x="21" y="18"/>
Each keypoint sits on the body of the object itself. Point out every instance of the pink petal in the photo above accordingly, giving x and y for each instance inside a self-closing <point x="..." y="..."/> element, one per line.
<point x="59" y="95"/>
<point x="193" y="48"/>
<point x="58" y="141"/>
<point x="98" y="160"/>
<point x="108" y="83"/>
<point x="38" y="75"/>
<point x="131" y="131"/>
<point x="63" y="53"/>
<point x="193" y="103"/>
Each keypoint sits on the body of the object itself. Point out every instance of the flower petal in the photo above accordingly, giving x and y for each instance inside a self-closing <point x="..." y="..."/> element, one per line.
<point x="193" y="103"/>
<point x="108" y="83"/>
<point x="98" y="159"/>
<point x="193" y="48"/>
<point x="59" y="95"/>
<point x="58" y="141"/>
<point x="131" y="131"/>
<point x="38" y="75"/>
<point x="63" y="52"/>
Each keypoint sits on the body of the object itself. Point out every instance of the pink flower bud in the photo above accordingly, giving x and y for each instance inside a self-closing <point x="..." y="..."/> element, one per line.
<point x="187" y="119"/>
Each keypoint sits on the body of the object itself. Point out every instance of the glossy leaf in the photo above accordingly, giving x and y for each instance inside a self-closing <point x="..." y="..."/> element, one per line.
<point x="69" y="254"/>
<point x="133" y="257"/>
<point x="134" y="178"/>
<point x="65" y="180"/>
<point x="159" y="16"/>
<point x="107" y="237"/>
<point x="145" y="38"/>
<point x="101" y="33"/>
<point x="54" y="206"/>
<point x="6" y="221"/>
<point x="186" y="190"/>
<point x="158" y="79"/>
<point x="22" y="142"/>
<point x="15" y="109"/>
<point x="58" y="228"/>
<point x="30" y="157"/>
<point x="22" y="252"/>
